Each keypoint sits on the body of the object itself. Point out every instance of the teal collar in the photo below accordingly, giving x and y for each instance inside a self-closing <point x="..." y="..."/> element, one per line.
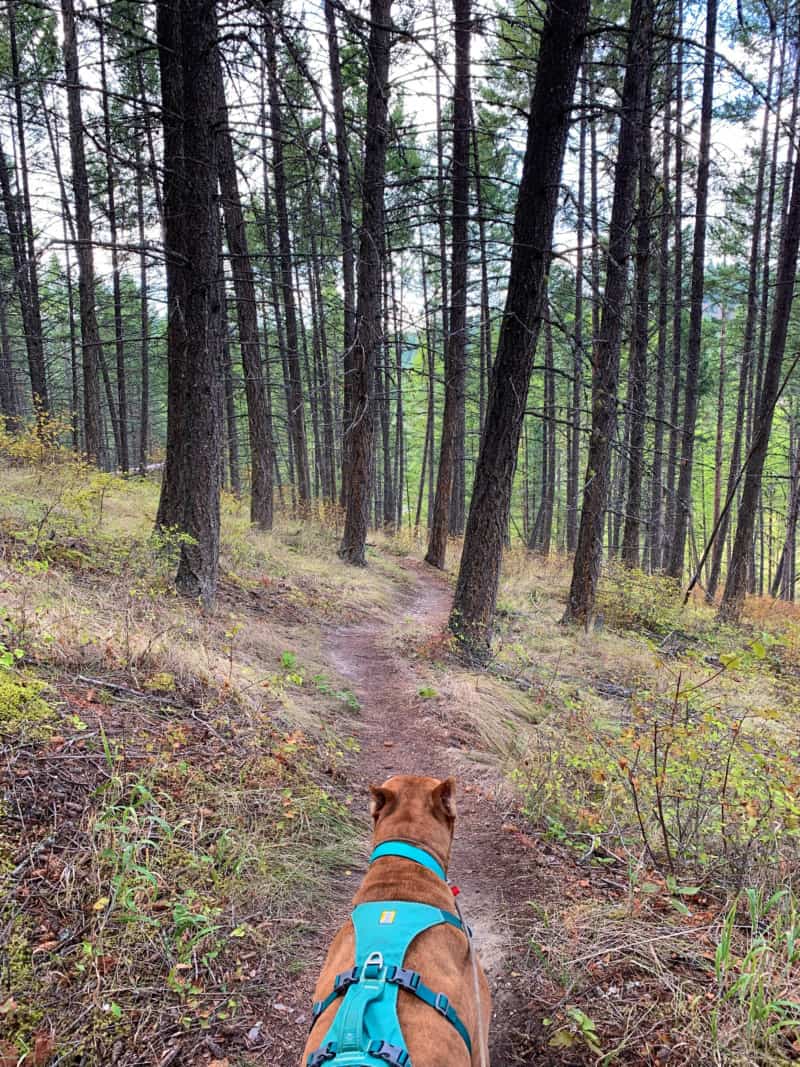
<point x="409" y="852"/>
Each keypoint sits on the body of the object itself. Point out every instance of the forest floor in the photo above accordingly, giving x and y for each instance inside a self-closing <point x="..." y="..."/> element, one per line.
<point x="184" y="796"/>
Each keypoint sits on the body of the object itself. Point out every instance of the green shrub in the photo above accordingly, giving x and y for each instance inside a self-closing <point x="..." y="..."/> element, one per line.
<point x="24" y="715"/>
<point x="631" y="600"/>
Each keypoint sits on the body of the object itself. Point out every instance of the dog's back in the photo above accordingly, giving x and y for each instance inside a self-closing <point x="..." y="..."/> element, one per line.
<point x="443" y="1022"/>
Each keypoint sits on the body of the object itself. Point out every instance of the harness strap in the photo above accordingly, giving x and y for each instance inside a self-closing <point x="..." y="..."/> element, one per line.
<point x="394" y="1055"/>
<point x="407" y="851"/>
<point x="405" y="979"/>
<point x="411" y="981"/>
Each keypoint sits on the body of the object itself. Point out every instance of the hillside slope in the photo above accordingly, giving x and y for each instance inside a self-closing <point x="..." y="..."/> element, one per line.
<point x="184" y="796"/>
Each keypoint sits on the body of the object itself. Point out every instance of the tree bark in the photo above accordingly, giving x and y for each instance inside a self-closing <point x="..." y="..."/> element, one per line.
<point x="27" y="271"/>
<point x="655" y="539"/>
<point x="361" y="368"/>
<point x="144" y="315"/>
<point x="455" y="357"/>
<point x="560" y="51"/>
<point x="694" y="340"/>
<point x="258" y="419"/>
<point x="736" y="583"/>
<point x="747" y="351"/>
<point x="574" y="453"/>
<point x="677" y="300"/>
<point x="718" y="445"/>
<point x="605" y="378"/>
<point x="784" y="582"/>
<point x="90" y="333"/>
<point x="637" y="392"/>
<point x="187" y="41"/>
<point x="9" y="408"/>
<point x="296" y="414"/>
<point x="111" y="193"/>
<point x="343" y="176"/>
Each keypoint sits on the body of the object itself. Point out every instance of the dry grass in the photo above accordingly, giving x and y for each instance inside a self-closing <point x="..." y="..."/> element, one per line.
<point x="187" y="799"/>
<point x="162" y="835"/>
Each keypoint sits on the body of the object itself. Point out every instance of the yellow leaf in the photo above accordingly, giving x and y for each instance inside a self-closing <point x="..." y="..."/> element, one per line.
<point x="101" y="903"/>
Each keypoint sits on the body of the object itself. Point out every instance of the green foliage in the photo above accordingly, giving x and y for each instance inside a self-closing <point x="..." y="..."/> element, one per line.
<point x="757" y="976"/>
<point x="697" y="788"/>
<point x="631" y="600"/>
<point x="25" y="716"/>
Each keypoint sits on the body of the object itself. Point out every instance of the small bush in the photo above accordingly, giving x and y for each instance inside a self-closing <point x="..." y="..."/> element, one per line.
<point x="631" y="600"/>
<point x="24" y="715"/>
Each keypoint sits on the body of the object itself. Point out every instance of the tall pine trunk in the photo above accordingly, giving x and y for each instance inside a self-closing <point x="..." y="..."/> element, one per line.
<point x="258" y="417"/>
<point x="452" y="437"/>
<point x="90" y="333"/>
<point x="747" y="351"/>
<point x="26" y="269"/>
<point x="736" y="583"/>
<point x="694" y="341"/>
<point x="187" y="44"/>
<point x="560" y="51"/>
<point x="655" y="538"/>
<point x="605" y="378"/>
<point x="637" y="392"/>
<point x="116" y="278"/>
<point x="357" y="470"/>
<point x="296" y="399"/>
<point x="574" y="452"/>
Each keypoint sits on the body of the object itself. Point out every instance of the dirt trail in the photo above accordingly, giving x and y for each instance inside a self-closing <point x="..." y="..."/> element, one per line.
<point x="400" y="732"/>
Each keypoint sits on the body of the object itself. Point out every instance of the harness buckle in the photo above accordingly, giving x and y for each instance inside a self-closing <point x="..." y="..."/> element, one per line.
<point x="394" y="1055"/>
<point x="441" y="1004"/>
<point x="344" y="980"/>
<point x="405" y="978"/>
<point x="322" y="1055"/>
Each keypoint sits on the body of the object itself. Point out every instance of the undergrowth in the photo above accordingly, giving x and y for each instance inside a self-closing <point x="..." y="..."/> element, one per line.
<point x="174" y="798"/>
<point x="665" y="755"/>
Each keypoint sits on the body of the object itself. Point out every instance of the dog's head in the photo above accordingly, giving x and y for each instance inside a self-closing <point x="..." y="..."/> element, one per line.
<point x="414" y="809"/>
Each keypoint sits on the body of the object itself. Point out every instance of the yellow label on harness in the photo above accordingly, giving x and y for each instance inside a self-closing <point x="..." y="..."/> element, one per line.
<point x="387" y="917"/>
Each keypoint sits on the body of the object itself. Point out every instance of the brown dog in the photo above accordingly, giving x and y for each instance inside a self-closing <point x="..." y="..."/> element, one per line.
<point x="420" y="812"/>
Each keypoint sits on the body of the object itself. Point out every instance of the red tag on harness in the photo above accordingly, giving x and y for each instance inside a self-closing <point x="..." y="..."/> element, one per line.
<point x="454" y="890"/>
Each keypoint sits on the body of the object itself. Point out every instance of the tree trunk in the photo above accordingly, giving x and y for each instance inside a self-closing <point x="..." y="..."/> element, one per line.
<point x="27" y="271"/>
<point x="560" y="51"/>
<point x="783" y="581"/>
<point x="343" y="176"/>
<point x="455" y="356"/>
<point x="747" y="352"/>
<point x="144" y="316"/>
<point x="605" y="376"/>
<point x="549" y="412"/>
<point x="694" y="340"/>
<point x="361" y="367"/>
<point x="111" y="193"/>
<point x="187" y="42"/>
<point x="574" y="453"/>
<point x="637" y="392"/>
<point x="8" y="394"/>
<point x="677" y="300"/>
<point x="231" y="421"/>
<point x="718" y="447"/>
<point x="345" y="210"/>
<point x="90" y="333"/>
<point x="736" y="584"/>
<point x="486" y="318"/>
<point x="655" y="539"/>
<point x="297" y="426"/>
<point x="258" y="420"/>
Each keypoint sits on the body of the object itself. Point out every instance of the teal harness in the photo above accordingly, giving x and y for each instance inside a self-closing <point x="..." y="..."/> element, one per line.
<point x="366" y="1029"/>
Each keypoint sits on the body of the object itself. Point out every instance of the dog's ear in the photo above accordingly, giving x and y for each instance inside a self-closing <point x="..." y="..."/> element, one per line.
<point x="380" y="798"/>
<point x="444" y="798"/>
